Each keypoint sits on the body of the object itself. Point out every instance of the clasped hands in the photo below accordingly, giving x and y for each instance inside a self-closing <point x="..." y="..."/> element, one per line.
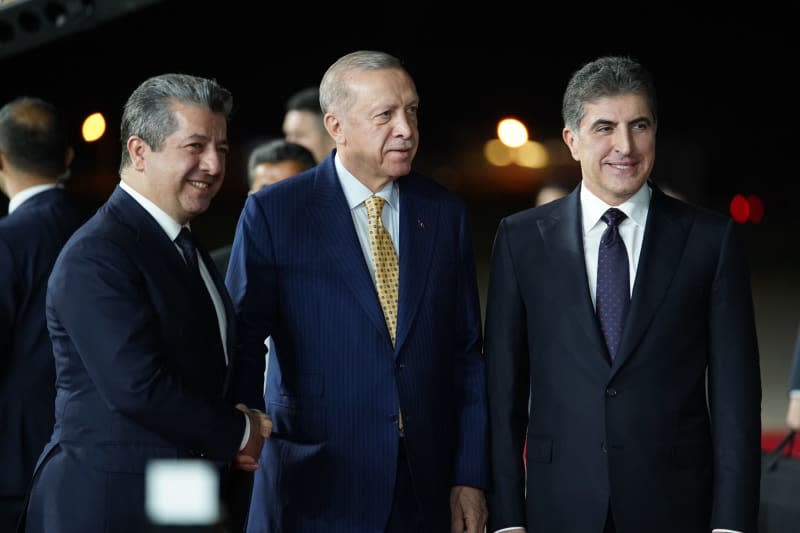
<point x="260" y="428"/>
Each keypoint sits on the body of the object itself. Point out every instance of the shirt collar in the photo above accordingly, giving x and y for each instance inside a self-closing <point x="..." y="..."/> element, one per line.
<point x="167" y="223"/>
<point x="356" y="192"/>
<point x="635" y="207"/>
<point x="27" y="194"/>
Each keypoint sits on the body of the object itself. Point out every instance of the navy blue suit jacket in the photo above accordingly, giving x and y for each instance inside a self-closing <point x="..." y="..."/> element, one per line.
<point x="137" y="378"/>
<point x="636" y="433"/>
<point x="297" y="272"/>
<point x="30" y="239"/>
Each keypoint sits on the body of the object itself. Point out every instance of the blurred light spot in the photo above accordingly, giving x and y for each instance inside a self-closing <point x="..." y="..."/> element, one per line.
<point x="512" y="132"/>
<point x="532" y="155"/>
<point x="93" y="127"/>
<point x="497" y="153"/>
<point x="756" y="208"/>
<point x="740" y="209"/>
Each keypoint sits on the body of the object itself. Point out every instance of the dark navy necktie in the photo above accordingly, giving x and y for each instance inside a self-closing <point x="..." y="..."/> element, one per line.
<point x="185" y="242"/>
<point x="613" y="281"/>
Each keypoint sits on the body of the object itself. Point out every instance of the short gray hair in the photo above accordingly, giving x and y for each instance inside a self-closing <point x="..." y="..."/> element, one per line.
<point x="606" y="76"/>
<point x="148" y="113"/>
<point x="334" y="91"/>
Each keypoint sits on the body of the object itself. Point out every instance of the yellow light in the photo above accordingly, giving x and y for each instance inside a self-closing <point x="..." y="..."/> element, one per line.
<point x="532" y="155"/>
<point x="512" y="132"/>
<point x="497" y="153"/>
<point x="93" y="127"/>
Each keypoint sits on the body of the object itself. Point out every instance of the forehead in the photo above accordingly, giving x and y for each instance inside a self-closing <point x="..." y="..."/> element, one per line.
<point x="616" y="108"/>
<point x="372" y="86"/>
<point x="290" y="167"/>
<point x="194" y="119"/>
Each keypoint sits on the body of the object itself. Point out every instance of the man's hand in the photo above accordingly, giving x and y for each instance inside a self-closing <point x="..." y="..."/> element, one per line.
<point x="260" y="429"/>
<point x="467" y="510"/>
<point x="793" y="414"/>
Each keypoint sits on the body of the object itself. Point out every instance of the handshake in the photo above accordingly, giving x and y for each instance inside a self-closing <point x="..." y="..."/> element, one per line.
<point x="260" y="429"/>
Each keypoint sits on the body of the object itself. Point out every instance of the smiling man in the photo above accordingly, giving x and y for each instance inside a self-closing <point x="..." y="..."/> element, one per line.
<point x="139" y="322"/>
<point x="619" y="332"/>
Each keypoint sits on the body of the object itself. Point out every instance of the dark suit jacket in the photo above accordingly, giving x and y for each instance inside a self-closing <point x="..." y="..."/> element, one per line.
<point x="335" y="382"/>
<point x="138" y="376"/>
<point x="636" y="433"/>
<point x="30" y="239"/>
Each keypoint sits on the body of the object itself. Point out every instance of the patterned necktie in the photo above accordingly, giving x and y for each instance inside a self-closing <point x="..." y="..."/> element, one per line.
<point x="384" y="258"/>
<point x="613" y="281"/>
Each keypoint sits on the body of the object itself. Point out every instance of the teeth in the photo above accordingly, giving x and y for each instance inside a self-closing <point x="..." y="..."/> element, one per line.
<point x="200" y="184"/>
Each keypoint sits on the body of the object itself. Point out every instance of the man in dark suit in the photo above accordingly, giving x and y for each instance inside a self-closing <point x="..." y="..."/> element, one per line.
<point x="139" y="321"/>
<point x="619" y="404"/>
<point x="376" y="387"/>
<point x="34" y="154"/>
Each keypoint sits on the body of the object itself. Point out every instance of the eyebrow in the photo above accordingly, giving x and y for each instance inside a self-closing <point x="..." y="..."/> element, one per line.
<point x="204" y="138"/>
<point x="607" y="122"/>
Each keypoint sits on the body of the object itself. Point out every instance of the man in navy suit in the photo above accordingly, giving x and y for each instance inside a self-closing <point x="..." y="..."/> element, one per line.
<point x="646" y="415"/>
<point x="140" y="323"/>
<point x="34" y="154"/>
<point x="378" y="403"/>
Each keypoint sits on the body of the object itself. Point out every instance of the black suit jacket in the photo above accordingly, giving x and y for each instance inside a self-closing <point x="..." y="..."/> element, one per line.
<point x="139" y="375"/>
<point x="636" y="434"/>
<point x="30" y="239"/>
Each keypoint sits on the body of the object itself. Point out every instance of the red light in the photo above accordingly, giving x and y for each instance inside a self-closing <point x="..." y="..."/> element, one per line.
<point x="740" y="209"/>
<point x="756" y="208"/>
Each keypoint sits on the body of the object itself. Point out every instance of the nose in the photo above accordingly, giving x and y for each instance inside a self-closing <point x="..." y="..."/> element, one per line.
<point x="402" y="126"/>
<point x="213" y="161"/>
<point x="623" y="141"/>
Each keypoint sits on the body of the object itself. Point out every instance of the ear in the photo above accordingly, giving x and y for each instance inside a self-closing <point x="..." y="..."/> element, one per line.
<point x="334" y="127"/>
<point x="137" y="149"/>
<point x="572" y="141"/>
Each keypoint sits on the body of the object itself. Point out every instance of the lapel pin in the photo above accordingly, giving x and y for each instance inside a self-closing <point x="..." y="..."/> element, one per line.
<point x="420" y="224"/>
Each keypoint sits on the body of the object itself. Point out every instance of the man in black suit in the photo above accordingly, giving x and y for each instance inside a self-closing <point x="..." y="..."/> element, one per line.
<point x="618" y="404"/>
<point x="34" y="154"/>
<point x="141" y="325"/>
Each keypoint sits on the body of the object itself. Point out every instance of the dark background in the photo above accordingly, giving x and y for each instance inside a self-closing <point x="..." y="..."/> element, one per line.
<point x="727" y="118"/>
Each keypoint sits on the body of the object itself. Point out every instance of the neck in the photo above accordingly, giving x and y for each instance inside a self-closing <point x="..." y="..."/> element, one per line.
<point x="17" y="185"/>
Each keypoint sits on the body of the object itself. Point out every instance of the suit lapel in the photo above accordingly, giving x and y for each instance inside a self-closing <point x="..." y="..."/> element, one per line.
<point x="337" y="236"/>
<point x="662" y="248"/>
<point x="230" y="318"/>
<point x="145" y="227"/>
<point x="418" y="230"/>
<point x="563" y="237"/>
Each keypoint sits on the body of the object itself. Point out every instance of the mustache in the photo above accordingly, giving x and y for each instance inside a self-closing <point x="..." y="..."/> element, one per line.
<point x="405" y="144"/>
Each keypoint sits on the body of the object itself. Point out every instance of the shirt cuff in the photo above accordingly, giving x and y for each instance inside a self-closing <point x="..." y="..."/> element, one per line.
<point x="509" y="529"/>
<point x="246" y="432"/>
<point x="725" y="531"/>
<point x="794" y="393"/>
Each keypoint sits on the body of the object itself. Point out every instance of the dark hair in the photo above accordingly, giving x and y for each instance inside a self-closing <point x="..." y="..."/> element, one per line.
<point x="606" y="76"/>
<point x="278" y="151"/>
<point x="33" y="137"/>
<point x="305" y="100"/>
<point x="148" y="112"/>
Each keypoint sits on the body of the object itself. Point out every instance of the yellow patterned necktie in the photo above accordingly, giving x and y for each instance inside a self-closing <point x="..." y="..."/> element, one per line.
<point x="384" y="259"/>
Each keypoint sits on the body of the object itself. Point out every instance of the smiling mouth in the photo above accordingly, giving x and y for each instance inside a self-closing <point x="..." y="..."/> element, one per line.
<point x="200" y="185"/>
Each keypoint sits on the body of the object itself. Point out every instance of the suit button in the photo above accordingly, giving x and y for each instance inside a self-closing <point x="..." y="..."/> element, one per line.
<point x="611" y="392"/>
<point x="399" y="366"/>
<point x="603" y="447"/>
